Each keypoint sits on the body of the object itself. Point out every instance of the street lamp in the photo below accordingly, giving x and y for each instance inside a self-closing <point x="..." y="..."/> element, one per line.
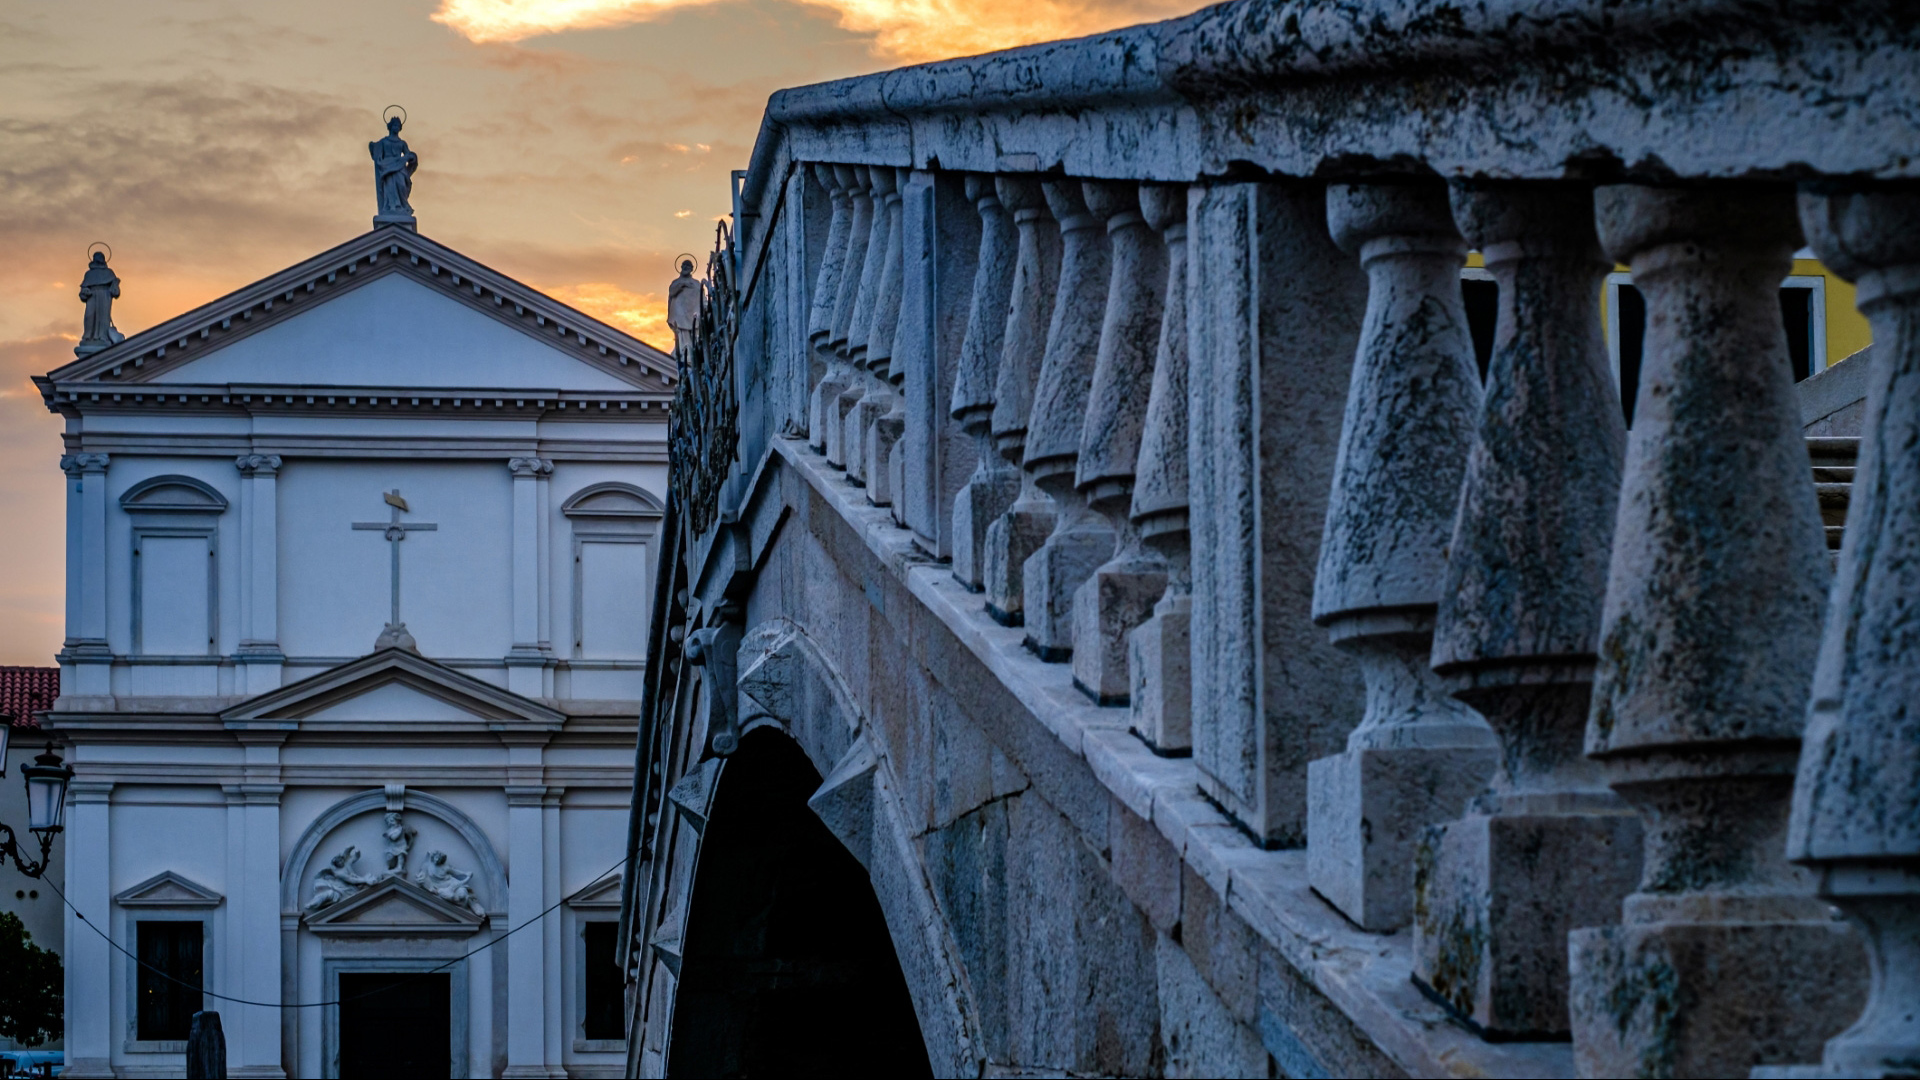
<point x="46" y="781"/>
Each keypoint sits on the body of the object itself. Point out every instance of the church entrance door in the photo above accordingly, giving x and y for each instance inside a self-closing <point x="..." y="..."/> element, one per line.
<point x="396" y="1023"/>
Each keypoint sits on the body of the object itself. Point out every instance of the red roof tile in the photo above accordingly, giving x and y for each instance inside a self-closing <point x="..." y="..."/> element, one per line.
<point x="27" y="690"/>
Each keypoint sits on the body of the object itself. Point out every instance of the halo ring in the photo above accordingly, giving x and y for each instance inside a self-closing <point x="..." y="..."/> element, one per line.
<point x="100" y="244"/>
<point x="687" y="255"/>
<point x="403" y="114"/>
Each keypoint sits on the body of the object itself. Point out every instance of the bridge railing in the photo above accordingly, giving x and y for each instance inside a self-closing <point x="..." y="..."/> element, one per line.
<point x="1159" y="337"/>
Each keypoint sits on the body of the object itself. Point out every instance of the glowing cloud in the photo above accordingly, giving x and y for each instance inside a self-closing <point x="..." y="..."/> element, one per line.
<point x="644" y="315"/>
<point x="906" y="30"/>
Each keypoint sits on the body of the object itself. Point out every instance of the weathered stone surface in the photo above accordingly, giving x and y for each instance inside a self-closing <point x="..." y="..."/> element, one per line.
<point x="833" y="261"/>
<point x="1703" y="679"/>
<point x="1417" y="755"/>
<point x="1202" y="1039"/>
<point x="1159" y="651"/>
<point x="1122" y="591"/>
<point x="1548" y="848"/>
<point x="1856" y="802"/>
<point x="870" y="302"/>
<point x="1271" y="352"/>
<point x="1014" y="538"/>
<point x="1081" y="539"/>
<point x="994" y="483"/>
<point x="853" y="181"/>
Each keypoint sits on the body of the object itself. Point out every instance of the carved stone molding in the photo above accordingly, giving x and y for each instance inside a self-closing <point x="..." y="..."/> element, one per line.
<point x="529" y="466"/>
<point x="76" y="464"/>
<point x="258" y="464"/>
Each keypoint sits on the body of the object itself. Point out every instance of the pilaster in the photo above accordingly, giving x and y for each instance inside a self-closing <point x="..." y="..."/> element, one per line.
<point x="528" y="981"/>
<point x="941" y="240"/>
<point x="91" y="1010"/>
<point x="250" y="956"/>
<point x="86" y="652"/>
<point x="259" y="654"/>
<point x="527" y="662"/>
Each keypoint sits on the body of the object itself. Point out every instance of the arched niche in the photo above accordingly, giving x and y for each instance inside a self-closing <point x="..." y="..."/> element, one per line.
<point x="489" y="873"/>
<point x="173" y="494"/>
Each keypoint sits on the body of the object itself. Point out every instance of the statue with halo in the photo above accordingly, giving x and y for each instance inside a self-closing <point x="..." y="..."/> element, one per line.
<point x="393" y="166"/>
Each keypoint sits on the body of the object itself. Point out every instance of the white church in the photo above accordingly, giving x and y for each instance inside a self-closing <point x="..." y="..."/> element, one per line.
<point x="358" y="564"/>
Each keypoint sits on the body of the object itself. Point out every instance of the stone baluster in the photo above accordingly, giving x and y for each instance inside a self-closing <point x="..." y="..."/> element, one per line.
<point x="1548" y="847"/>
<point x="890" y="422"/>
<point x="1724" y="958"/>
<point x="826" y="291"/>
<point x="1081" y="539"/>
<point x="1120" y="593"/>
<point x="853" y="181"/>
<point x="1854" y="816"/>
<point x="1418" y="755"/>
<point x="1017" y="534"/>
<point x="867" y="301"/>
<point x="1159" y="667"/>
<point x="994" y="483"/>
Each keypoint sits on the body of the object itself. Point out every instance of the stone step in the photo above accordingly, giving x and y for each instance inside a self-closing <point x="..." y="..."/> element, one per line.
<point x="1834" y="459"/>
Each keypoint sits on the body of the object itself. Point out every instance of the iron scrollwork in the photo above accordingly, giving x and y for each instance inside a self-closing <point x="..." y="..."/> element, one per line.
<point x="705" y="439"/>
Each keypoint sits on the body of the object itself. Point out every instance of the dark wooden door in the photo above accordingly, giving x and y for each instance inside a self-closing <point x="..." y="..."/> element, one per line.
<point x="395" y="1023"/>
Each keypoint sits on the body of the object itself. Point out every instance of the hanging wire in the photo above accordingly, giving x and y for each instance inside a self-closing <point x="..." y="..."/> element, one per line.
<point x="598" y="880"/>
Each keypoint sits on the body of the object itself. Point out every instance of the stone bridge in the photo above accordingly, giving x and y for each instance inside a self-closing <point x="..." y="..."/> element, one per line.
<point x="1117" y="628"/>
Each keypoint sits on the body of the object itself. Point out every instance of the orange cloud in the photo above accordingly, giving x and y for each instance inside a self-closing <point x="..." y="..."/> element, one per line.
<point x="904" y="30"/>
<point x="644" y="315"/>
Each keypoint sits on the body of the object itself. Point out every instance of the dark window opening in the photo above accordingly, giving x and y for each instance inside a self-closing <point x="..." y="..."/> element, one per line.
<point x="605" y="987"/>
<point x="1633" y="344"/>
<point x="396" y="1023"/>
<point x="167" y="987"/>
<point x="1483" y="315"/>
<point x="1796" y="312"/>
<point x="785" y="942"/>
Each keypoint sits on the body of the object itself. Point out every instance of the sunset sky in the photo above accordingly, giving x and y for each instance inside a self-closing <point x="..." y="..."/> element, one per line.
<point x="574" y="144"/>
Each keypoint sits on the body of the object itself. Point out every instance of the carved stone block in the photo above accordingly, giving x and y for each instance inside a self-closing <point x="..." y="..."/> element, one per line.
<point x="1366" y="812"/>
<point x="978" y="505"/>
<point x="1160" y="677"/>
<point x="1011" y="541"/>
<point x="1052" y="574"/>
<point x="1106" y="608"/>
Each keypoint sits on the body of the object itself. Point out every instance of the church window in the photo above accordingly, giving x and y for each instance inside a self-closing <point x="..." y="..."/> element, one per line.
<point x="175" y="565"/>
<point x="602" y="1006"/>
<point x="613" y="530"/>
<point x="168" y="979"/>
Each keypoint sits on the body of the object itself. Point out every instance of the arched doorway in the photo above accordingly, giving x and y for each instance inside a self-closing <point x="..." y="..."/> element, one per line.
<point x="788" y="969"/>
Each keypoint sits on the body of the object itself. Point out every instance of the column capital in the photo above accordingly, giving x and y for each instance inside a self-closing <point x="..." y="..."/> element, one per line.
<point x="258" y="464"/>
<point x="90" y="791"/>
<point x="253" y="794"/>
<point x="529" y="467"/>
<point x="77" y="464"/>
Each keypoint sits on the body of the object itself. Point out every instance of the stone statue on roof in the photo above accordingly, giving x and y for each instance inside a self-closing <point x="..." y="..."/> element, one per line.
<point x="683" y="308"/>
<point x="99" y="287"/>
<point x="393" y="166"/>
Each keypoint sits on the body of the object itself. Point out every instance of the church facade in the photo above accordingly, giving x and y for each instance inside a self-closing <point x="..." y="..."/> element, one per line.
<point x="355" y="633"/>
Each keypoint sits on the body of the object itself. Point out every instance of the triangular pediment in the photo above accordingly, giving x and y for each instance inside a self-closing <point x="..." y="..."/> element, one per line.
<point x="390" y="308"/>
<point x="392" y="686"/>
<point x="601" y="894"/>
<point x="171" y="890"/>
<point x="393" y="907"/>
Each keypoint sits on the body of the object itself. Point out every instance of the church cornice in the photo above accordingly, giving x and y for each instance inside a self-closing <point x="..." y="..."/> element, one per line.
<point x="385" y="250"/>
<point x="72" y="396"/>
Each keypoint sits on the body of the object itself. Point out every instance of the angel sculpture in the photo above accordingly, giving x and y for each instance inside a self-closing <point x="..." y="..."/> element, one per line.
<point x="447" y="883"/>
<point x="339" y="879"/>
<point x="399" y="841"/>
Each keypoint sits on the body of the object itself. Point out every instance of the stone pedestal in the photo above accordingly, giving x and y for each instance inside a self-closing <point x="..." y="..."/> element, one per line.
<point x="1160" y="667"/>
<point x="982" y="502"/>
<point x="1496" y="892"/>
<point x="1012" y="540"/>
<point x="1119" y="596"/>
<point x="1703" y="998"/>
<point x="1079" y="543"/>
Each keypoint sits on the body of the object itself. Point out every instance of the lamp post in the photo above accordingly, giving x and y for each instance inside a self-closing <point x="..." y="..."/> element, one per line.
<point x="46" y="781"/>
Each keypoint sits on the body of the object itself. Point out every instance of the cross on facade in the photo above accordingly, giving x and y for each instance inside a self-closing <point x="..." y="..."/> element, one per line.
<point x="394" y="531"/>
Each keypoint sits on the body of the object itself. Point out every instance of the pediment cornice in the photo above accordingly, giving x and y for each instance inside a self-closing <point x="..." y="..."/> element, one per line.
<point x="394" y="907"/>
<point x="490" y="705"/>
<point x="385" y="250"/>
